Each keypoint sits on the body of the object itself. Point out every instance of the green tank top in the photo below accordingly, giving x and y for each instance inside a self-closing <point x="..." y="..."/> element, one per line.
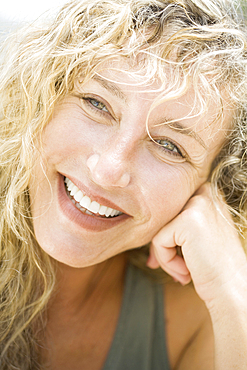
<point x="139" y="341"/>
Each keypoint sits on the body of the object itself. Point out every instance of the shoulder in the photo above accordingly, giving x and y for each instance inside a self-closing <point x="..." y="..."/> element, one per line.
<point x="188" y="328"/>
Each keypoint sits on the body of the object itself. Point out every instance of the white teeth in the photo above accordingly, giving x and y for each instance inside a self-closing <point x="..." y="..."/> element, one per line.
<point x="74" y="190"/>
<point x="113" y="213"/>
<point x="70" y="186"/>
<point x="77" y="205"/>
<point x="108" y="212"/>
<point x="85" y="204"/>
<point x="78" y="196"/>
<point x="94" y="207"/>
<point x="102" y="210"/>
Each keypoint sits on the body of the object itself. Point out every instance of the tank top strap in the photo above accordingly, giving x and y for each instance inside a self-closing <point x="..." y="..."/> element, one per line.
<point x="139" y="341"/>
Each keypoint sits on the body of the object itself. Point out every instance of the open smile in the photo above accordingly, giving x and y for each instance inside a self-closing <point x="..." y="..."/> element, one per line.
<point x="85" y="204"/>
<point x="88" y="214"/>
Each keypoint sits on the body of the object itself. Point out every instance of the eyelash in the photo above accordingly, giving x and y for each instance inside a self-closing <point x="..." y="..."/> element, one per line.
<point x="89" y="100"/>
<point x="177" y="152"/>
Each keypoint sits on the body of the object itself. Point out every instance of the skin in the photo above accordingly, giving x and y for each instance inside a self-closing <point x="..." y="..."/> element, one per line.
<point x="111" y="155"/>
<point x="97" y="137"/>
<point x="217" y="265"/>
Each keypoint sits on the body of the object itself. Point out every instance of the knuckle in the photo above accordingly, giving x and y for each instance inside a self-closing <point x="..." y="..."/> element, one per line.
<point x="195" y="215"/>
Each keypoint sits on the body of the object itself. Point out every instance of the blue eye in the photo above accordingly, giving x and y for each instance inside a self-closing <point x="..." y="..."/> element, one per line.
<point x="97" y="104"/>
<point x="169" y="147"/>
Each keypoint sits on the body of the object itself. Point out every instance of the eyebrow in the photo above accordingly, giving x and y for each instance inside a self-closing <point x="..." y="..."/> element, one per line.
<point x="108" y="85"/>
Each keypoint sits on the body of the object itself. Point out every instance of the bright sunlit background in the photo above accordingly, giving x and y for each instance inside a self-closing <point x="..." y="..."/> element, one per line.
<point x="13" y="13"/>
<point x="16" y="12"/>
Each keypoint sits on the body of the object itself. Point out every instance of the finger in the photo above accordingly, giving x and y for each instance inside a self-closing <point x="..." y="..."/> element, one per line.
<point x="168" y="258"/>
<point x="154" y="263"/>
<point x="183" y="279"/>
<point x="166" y="237"/>
<point x="165" y="245"/>
<point x="156" y="259"/>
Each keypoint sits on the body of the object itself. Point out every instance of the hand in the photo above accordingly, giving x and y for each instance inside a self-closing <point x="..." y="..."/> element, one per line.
<point x="212" y="254"/>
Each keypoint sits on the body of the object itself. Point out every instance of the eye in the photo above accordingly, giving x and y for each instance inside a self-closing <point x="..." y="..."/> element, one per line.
<point x="96" y="104"/>
<point x="169" y="147"/>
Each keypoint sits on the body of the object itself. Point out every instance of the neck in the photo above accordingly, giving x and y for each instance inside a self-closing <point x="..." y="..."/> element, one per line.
<point x="82" y="316"/>
<point x="76" y="287"/>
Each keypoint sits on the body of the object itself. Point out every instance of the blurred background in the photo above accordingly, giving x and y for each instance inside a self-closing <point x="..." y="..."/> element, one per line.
<point x="14" y="13"/>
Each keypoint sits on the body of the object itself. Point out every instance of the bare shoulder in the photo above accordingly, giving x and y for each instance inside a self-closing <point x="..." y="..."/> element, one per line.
<point x="188" y="329"/>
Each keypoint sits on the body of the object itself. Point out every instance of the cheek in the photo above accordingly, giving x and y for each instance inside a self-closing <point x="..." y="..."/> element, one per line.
<point x="169" y="188"/>
<point x="70" y="139"/>
<point x="39" y="185"/>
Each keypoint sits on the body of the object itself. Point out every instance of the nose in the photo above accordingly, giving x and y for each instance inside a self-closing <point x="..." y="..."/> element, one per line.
<point x="109" y="169"/>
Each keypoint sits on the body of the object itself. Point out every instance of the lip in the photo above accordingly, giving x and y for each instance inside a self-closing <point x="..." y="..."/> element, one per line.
<point x="88" y="222"/>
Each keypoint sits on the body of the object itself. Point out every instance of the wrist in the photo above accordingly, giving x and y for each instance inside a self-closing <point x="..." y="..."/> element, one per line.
<point x="231" y="298"/>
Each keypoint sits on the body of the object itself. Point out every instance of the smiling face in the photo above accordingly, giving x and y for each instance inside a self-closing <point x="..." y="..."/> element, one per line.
<point x="102" y="185"/>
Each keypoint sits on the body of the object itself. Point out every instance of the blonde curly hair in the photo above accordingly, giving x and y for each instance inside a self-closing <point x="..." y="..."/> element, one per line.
<point x="205" y="43"/>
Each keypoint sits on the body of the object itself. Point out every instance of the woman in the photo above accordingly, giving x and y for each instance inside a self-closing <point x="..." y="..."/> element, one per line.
<point x="123" y="125"/>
